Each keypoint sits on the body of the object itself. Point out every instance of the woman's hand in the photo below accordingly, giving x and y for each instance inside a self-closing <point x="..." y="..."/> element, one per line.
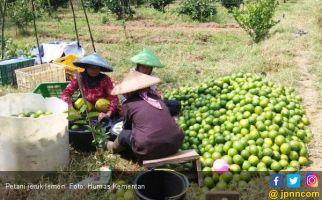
<point x="71" y="107"/>
<point x="104" y="115"/>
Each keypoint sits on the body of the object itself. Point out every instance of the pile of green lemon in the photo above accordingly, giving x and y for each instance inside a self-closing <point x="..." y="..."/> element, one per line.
<point x="37" y="114"/>
<point x="253" y="124"/>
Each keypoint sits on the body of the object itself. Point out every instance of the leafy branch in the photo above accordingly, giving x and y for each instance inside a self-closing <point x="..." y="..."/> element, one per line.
<point x="81" y="117"/>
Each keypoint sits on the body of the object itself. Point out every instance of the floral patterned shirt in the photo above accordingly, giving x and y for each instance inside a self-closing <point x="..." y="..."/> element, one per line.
<point x="92" y="94"/>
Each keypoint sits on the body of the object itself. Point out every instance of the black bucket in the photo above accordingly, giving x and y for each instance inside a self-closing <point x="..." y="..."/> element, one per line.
<point x="161" y="185"/>
<point x="81" y="140"/>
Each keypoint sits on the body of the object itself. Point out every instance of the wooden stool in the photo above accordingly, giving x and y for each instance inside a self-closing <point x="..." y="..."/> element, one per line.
<point x="222" y="195"/>
<point x="179" y="157"/>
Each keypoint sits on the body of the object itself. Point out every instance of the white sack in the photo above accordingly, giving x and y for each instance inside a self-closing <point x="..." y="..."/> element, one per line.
<point x="33" y="144"/>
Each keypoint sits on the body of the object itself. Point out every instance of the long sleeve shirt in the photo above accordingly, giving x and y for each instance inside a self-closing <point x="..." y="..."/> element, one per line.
<point x="92" y="94"/>
<point x="155" y="133"/>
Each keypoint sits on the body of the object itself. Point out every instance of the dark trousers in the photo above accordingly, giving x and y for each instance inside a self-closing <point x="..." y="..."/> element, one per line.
<point x="124" y="138"/>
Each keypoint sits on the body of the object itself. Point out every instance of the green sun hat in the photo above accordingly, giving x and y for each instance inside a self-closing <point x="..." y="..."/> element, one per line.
<point x="148" y="58"/>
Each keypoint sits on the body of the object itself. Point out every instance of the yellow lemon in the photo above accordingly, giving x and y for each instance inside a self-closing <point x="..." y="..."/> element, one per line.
<point x="90" y="106"/>
<point x="129" y="195"/>
<point x="79" y="103"/>
<point x="101" y="105"/>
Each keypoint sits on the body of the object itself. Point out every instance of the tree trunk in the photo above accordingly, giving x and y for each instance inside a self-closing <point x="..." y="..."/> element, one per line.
<point x="3" y="8"/>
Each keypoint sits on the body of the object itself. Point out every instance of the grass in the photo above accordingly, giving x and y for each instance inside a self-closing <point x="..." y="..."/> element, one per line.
<point x="314" y="43"/>
<point x="7" y="89"/>
<point x="191" y="53"/>
<point x="195" y="54"/>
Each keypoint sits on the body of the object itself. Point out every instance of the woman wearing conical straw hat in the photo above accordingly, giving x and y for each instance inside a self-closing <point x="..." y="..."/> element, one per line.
<point x="96" y="85"/>
<point x="149" y="130"/>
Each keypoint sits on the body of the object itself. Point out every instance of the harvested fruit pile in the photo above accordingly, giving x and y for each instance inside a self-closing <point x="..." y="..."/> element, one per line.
<point x="122" y="194"/>
<point x="101" y="105"/>
<point x="253" y="124"/>
<point x="33" y="114"/>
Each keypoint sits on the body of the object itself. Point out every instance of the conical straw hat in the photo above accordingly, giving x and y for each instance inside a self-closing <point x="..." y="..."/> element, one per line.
<point x="94" y="59"/>
<point x="134" y="81"/>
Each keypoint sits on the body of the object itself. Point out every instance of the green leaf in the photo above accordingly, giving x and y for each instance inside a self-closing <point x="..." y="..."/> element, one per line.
<point x="72" y="117"/>
<point x="83" y="108"/>
<point x="92" y="114"/>
<point x="71" y="111"/>
<point x="83" y="122"/>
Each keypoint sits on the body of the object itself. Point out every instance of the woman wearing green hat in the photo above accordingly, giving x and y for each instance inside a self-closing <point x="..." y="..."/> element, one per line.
<point x="145" y="62"/>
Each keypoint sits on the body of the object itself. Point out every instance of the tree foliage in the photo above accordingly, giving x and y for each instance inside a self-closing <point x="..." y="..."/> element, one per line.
<point x="121" y="8"/>
<point x="160" y="4"/>
<point x="200" y="10"/>
<point x="21" y="14"/>
<point x="256" y="18"/>
<point x="229" y="4"/>
<point x="96" y="5"/>
<point x="54" y="4"/>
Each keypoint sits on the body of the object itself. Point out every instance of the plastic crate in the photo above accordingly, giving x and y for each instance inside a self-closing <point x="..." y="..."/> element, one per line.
<point x="51" y="89"/>
<point x="67" y="62"/>
<point x="54" y="89"/>
<point x="8" y="67"/>
<point x="28" y="78"/>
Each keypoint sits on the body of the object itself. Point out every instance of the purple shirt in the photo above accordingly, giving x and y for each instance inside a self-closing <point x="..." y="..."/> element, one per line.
<point x="155" y="133"/>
